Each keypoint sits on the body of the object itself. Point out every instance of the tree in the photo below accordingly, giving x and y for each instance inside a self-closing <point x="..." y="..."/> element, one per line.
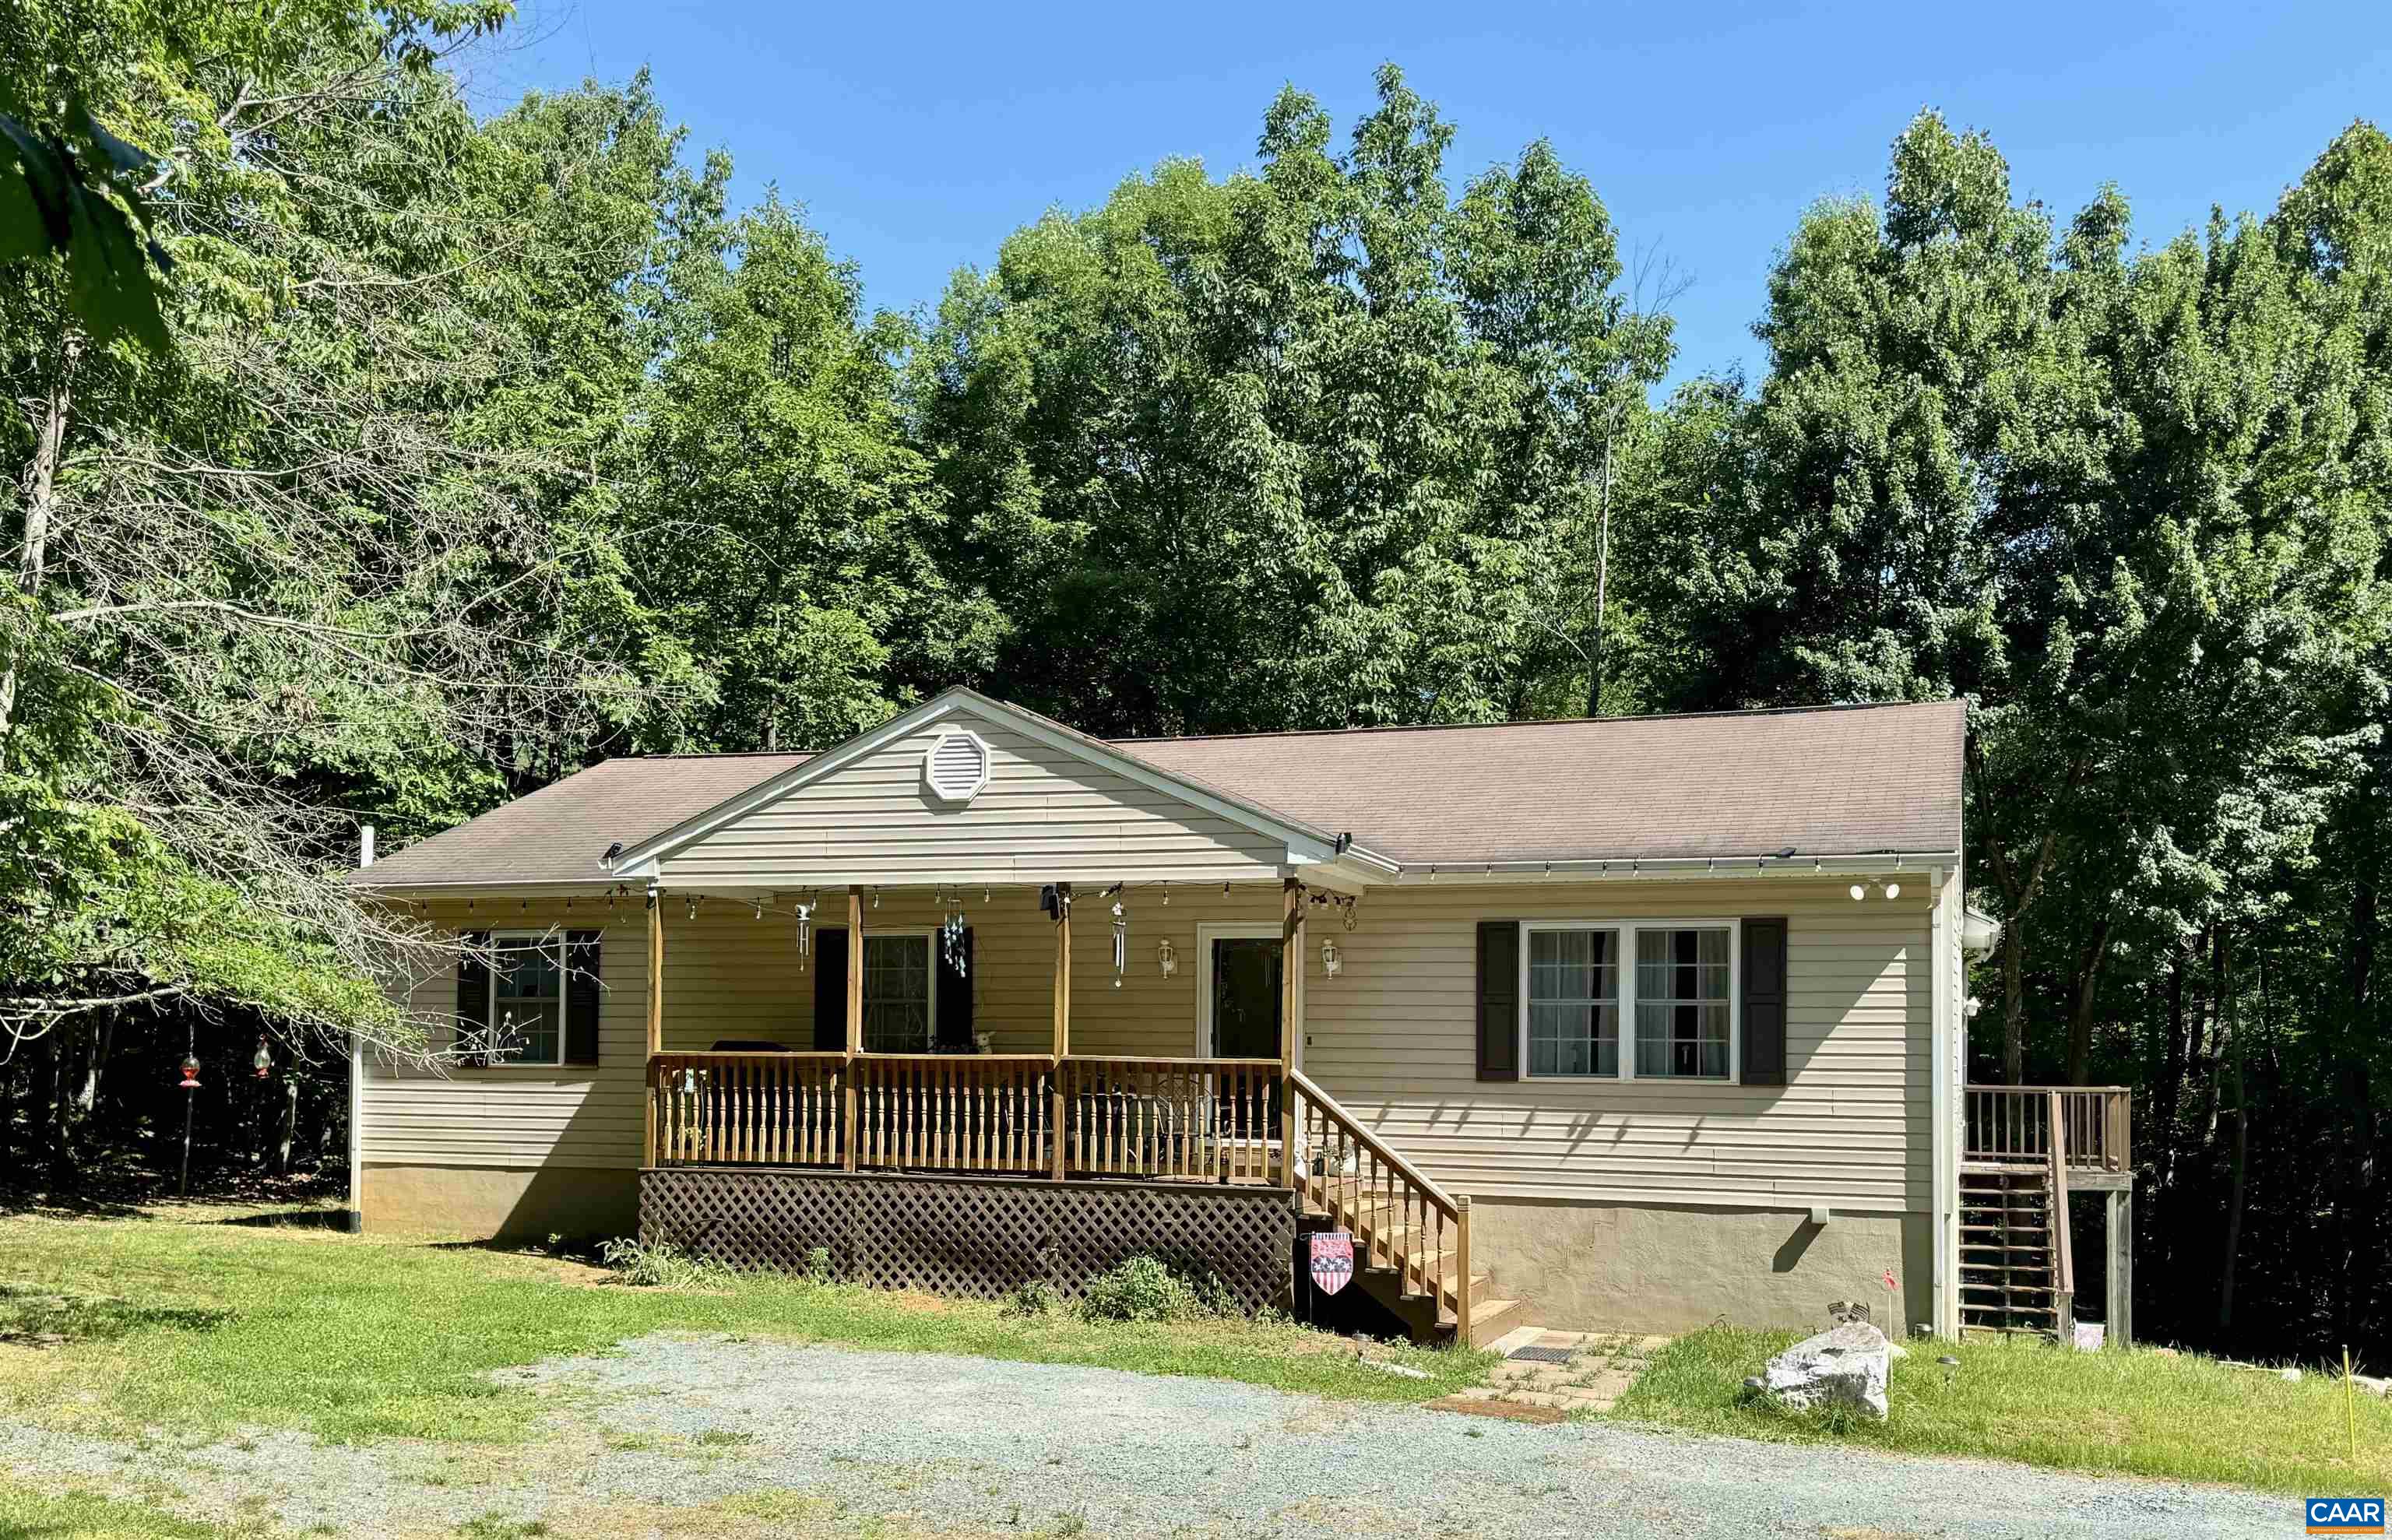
<point x="1315" y="445"/>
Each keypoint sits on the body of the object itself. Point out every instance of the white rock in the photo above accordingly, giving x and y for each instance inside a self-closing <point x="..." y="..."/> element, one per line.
<point x="1846" y="1365"/>
<point x="2371" y="1385"/>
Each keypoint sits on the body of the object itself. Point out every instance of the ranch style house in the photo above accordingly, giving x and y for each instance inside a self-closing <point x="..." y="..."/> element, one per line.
<point x="1628" y="1023"/>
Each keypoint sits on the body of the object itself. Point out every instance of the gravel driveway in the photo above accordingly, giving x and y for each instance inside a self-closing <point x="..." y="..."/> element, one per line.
<point x="979" y="1445"/>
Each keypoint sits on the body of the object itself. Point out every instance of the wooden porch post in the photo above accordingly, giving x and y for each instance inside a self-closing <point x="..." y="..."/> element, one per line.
<point x="1290" y="1021"/>
<point x="854" y="1021"/>
<point x="656" y="1013"/>
<point x="1062" y="1043"/>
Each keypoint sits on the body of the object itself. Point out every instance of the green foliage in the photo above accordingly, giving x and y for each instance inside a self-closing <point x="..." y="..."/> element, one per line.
<point x="1034" y="1297"/>
<point x="1143" y="1288"/>
<point x="661" y="1265"/>
<point x="1314" y="445"/>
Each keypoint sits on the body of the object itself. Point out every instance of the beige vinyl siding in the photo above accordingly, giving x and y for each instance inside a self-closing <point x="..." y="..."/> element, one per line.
<point x="1393" y="1040"/>
<point x="730" y="975"/>
<point x="1044" y="816"/>
<point x="1393" y="1037"/>
<point x="521" y="1117"/>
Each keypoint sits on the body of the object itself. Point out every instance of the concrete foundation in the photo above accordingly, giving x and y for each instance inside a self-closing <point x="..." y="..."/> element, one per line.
<point x="1671" y="1268"/>
<point x="480" y="1201"/>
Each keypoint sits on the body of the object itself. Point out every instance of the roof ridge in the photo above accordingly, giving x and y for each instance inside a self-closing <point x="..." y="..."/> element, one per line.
<point x="1535" y="721"/>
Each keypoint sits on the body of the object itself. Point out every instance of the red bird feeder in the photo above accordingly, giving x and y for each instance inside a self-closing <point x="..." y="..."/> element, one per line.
<point x="190" y="1074"/>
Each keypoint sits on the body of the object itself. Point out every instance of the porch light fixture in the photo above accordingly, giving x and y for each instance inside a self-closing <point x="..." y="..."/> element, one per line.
<point x="1168" y="955"/>
<point x="1859" y="890"/>
<point x="1333" y="959"/>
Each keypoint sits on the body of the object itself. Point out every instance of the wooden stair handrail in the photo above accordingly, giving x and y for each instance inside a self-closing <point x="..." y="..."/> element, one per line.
<point x="1371" y="1142"/>
<point x="1410" y="1207"/>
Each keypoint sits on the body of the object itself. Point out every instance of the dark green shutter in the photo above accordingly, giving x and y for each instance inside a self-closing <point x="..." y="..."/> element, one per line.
<point x="1764" y="1002"/>
<point x="582" y="981"/>
<point x="953" y="1032"/>
<point x="472" y="1033"/>
<point x="1499" y="1000"/>
<point x="830" y="991"/>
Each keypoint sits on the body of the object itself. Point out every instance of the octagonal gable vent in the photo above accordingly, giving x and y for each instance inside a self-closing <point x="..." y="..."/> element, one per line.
<point x="957" y="767"/>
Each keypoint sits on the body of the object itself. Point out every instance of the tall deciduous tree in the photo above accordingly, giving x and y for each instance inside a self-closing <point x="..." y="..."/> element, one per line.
<point x="1319" y="443"/>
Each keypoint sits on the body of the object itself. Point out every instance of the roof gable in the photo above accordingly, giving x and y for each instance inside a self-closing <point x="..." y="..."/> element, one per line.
<point x="1033" y="747"/>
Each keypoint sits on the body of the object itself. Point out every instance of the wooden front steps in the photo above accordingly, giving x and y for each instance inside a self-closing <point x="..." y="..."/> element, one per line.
<point x="1426" y="1315"/>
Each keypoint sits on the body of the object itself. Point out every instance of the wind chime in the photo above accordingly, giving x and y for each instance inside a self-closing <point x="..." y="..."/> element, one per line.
<point x="1121" y="941"/>
<point x="805" y="933"/>
<point x="951" y="941"/>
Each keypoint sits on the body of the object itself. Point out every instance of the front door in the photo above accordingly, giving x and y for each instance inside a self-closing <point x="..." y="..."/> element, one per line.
<point x="1246" y="997"/>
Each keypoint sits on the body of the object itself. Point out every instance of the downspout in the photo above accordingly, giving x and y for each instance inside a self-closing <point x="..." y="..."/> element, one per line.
<point x="1944" y="1061"/>
<point x="357" y="1079"/>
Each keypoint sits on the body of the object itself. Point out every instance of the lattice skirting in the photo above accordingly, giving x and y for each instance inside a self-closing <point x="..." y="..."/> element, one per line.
<point x="973" y="1237"/>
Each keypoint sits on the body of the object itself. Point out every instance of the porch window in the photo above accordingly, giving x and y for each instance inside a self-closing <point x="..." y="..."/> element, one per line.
<point x="1682" y="1001"/>
<point x="1574" y="1002"/>
<point x="526" y="996"/>
<point x="897" y="1006"/>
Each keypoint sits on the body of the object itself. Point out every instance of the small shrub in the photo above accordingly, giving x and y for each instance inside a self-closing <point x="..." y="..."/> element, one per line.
<point x="661" y="1265"/>
<point x="818" y="1266"/>
<point x="1139" y="1289"/>
<point x="1215" y="1297"/>
<point x="1034" y="1297"/>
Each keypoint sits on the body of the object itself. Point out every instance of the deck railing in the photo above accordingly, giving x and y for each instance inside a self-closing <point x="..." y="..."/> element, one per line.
<point x="1156" y="1119"/>
<point x="2091" y="1126"/>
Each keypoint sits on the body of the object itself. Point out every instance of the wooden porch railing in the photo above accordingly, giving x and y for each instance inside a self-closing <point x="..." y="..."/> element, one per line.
<point x="2090" y="1126"/>
<point x="1400" y="1217"/>
<point x="2063" y="1253"/>
<point x="1212" y="1119"/>
<point x="1157" y="1119"/>
<point x="780" y="1109"/>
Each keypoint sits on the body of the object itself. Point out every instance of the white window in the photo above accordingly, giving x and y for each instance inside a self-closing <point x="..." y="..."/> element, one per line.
<point x="1680" y="996"/>
<point x="900" y="997"/>
<point x="1574" y="1002"/>
<point x="527" y="997"/>
<point x="1682" y="1001"/>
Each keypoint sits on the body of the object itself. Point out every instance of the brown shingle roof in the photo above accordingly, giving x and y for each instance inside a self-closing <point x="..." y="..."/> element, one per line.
<point x="1834" y="781"/>
<point x="557" y="833"/>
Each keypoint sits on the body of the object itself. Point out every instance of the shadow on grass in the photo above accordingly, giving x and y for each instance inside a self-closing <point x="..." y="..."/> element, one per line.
<point x="43" y="1317"/>
<point x="292" y="1219"/>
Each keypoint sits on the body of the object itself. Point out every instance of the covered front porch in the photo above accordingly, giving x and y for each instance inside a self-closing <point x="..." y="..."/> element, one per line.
<point x="978" y="1157"/>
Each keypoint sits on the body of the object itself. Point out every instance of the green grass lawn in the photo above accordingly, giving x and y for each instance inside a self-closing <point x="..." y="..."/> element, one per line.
<point x="187" y="1327"/>
<point x="2137" y="1411"/>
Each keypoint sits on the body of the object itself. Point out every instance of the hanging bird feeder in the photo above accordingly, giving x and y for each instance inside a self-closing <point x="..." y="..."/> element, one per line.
<point x="262" y="1061"/>
<point x="190" y="1074"/>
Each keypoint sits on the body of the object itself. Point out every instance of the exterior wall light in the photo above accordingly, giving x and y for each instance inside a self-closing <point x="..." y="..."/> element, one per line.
<point x="1168" y="955"/>
<point x="1332" y="961"/>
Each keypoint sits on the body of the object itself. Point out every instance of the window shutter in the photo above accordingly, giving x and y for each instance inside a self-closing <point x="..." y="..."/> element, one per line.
<point x="581" y="976"/>
<point x="1764" y="1002"/>
<point x="952" y="1034"/>
<point x="473" y="1029"/>
<point x="1499" y="1000"/>
<point x="830" y="991"/>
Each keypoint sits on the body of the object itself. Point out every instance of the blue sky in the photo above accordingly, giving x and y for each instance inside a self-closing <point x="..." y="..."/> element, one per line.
<point x="919" y="136"/>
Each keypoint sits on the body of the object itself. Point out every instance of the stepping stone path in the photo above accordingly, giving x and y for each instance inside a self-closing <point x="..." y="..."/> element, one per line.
<point x="1600" y="1367"/>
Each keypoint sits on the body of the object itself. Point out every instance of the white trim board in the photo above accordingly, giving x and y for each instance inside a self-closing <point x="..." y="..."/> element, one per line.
<point x="1208" y="932"/>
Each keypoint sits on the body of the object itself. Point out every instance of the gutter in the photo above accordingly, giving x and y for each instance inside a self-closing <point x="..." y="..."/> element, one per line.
<point x="1775" y="863"/>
